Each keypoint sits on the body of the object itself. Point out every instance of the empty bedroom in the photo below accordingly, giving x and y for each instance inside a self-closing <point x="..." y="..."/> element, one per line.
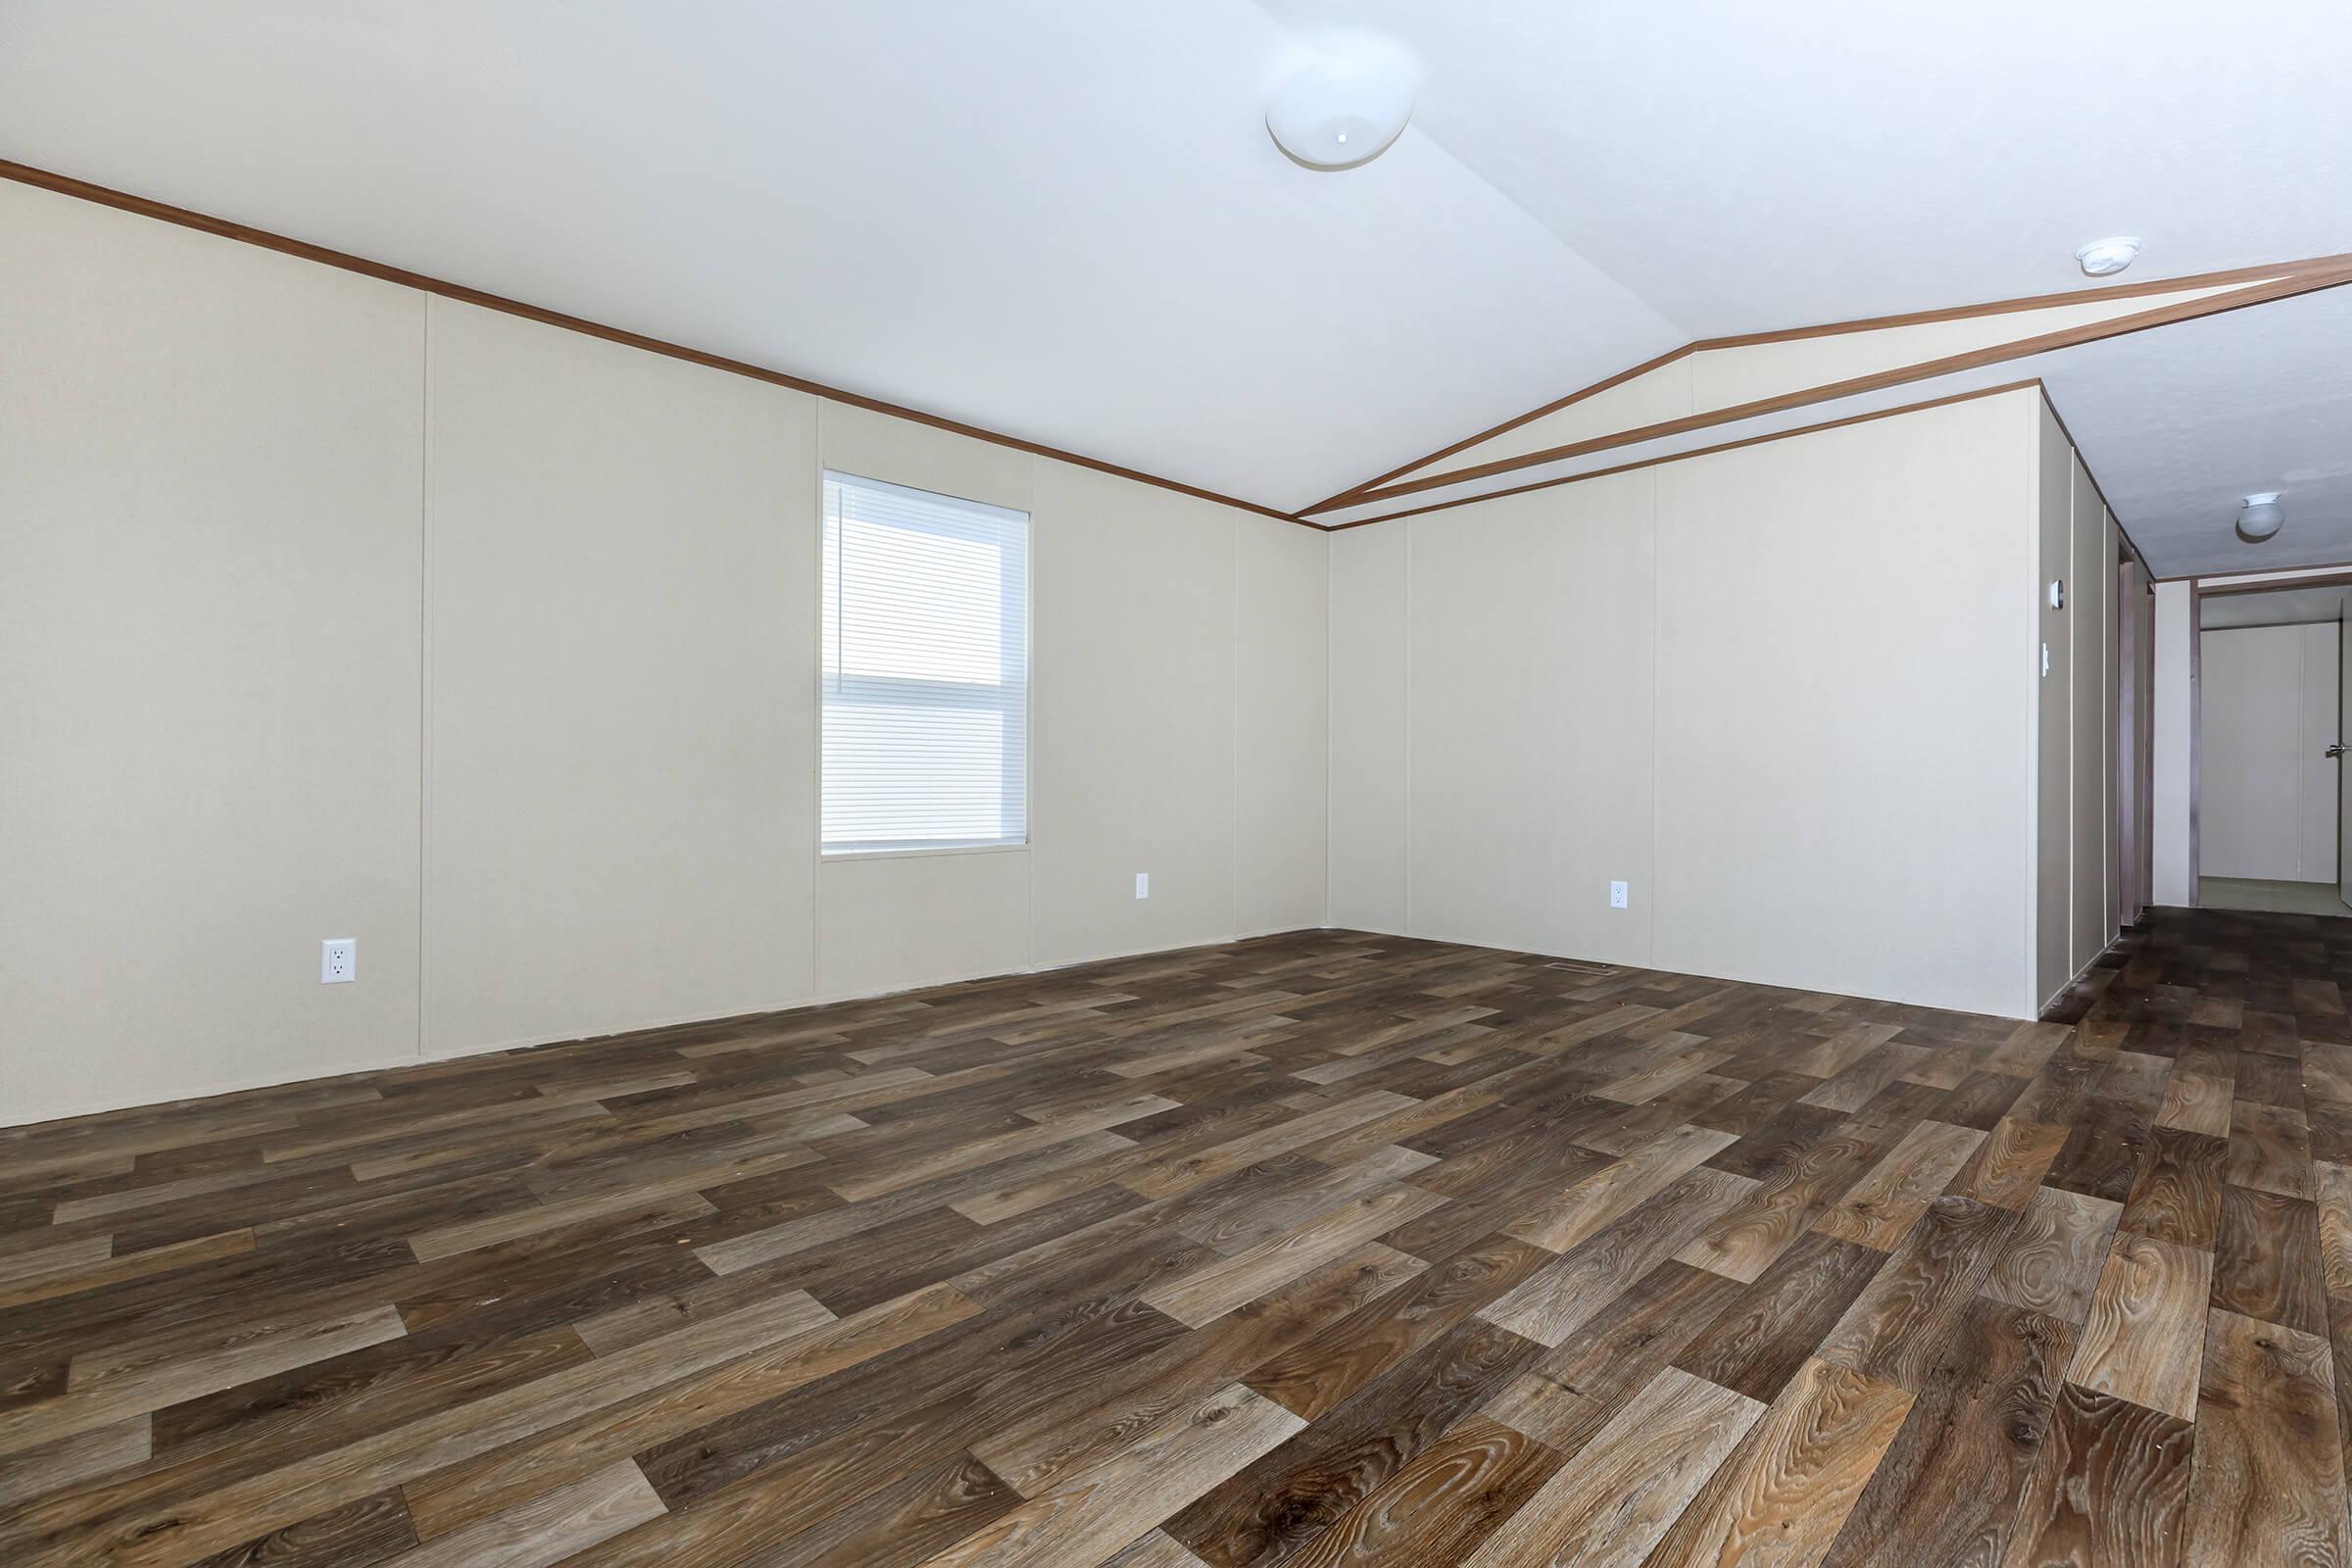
<point x="1264" y="783"/>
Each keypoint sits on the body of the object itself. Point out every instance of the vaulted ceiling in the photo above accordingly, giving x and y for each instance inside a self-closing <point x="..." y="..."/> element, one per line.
<point x="1064" y="220"/>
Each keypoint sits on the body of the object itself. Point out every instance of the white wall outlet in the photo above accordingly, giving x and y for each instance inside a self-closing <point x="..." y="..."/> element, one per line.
<point x="1616" y="895"/>
<point x="338" y="960"/>
<point x="1142" y="884"/>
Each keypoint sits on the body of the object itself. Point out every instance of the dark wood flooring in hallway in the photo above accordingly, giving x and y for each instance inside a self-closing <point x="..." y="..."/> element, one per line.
<point x="1319" y="1248"/>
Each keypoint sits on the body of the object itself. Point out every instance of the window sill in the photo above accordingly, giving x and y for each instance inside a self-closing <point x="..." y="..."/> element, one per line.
<point x="919" y="854"/>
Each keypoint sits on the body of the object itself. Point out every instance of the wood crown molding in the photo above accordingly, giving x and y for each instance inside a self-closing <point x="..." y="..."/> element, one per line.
<point x="1695" y="451"/>
<point x="2279" y="282"/>
<point x="223" y="229"/>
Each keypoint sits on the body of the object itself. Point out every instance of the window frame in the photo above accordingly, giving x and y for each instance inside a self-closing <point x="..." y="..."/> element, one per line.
<point x="1017" y="772"/>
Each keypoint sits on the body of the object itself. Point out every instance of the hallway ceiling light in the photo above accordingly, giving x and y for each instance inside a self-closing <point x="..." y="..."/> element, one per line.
<point x="2261" y="517"/>
<point x="1346" y="108"/>
<point x="2104" y="257"/>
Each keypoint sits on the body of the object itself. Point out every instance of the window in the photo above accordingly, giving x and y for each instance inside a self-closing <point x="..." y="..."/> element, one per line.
<point x="925" y="669"/>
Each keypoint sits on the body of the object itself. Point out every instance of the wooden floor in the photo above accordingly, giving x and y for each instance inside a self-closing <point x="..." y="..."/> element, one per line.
<point x="1321" y="1248"/>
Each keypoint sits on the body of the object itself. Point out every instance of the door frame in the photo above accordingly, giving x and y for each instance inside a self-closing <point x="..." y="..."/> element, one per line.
<point x="2329" y="574"/>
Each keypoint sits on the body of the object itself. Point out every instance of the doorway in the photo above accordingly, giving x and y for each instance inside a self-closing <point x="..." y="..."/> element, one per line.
<point x="2271" y="695"/>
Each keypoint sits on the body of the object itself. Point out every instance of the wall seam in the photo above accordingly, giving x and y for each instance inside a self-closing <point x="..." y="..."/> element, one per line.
<point x="2036" y="432"/>
<point x="818" y="990"/>
<point x="1030" y="947"/>
<point x="424" y="650"/>
<point x="1657" y="655"/>
<point x="1411" y="528"/>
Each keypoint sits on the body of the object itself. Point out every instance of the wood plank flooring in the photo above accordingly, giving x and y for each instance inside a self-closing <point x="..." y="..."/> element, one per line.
<point x="1318" y="1249"/>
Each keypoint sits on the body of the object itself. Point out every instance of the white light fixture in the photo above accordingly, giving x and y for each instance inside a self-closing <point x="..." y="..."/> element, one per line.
<point x="1346" y="108"/>
<point x="2104" y="257"/>
<point x="2261" y="517"/>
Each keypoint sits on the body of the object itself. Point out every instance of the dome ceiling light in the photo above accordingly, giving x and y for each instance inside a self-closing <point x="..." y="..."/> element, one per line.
<point x="2261" y="517"/>
<point x="1346" y="108"/>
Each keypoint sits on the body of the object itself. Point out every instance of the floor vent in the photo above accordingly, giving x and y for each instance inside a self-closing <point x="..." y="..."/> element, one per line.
<point x="1598" y="971"/>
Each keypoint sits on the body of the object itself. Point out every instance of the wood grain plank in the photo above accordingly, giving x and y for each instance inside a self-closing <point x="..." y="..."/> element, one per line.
<point x="1608" y="1505"/>
<point x="2268" y="1484"/>
<point x="1878" y="1209"/>
<point x="2109" y="1486"/>
<point x="1216" y="1289"/>
<point x="1784" y="1494"/>
<point x="2055" y="1254"/>
<point x="547" y="1528"/>
<point x="2143" y="1338"/>
<point x="1099" y="1511"/>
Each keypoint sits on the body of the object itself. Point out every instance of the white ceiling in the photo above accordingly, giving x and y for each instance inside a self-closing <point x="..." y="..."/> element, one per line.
<point x="1064" y="220"/>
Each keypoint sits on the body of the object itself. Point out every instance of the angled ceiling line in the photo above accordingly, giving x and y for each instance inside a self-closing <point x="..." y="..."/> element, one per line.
<point x="2334" y="268"/>
<point x="2283" y="280"/>
<point x="303" y="250"/>
<point x="1662" y="457"/>
<point x="2278" y="287"/>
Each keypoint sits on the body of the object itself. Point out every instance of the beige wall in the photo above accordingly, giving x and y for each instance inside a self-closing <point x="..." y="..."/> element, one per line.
<point x="1371" y="726"/>
<point x="621" y="604"/>
<point x="1845" y="706"/>
<point x="209" y="649"/>
<point x="2091" y="596"/>
<point x="2053" y="796"/>
<point x="328" y="612"/>
<point x="1529" y="746"/>
<point x="2172" y="797"/>
<point x="1783" y="691"/>
<point x="1282" y="693"/>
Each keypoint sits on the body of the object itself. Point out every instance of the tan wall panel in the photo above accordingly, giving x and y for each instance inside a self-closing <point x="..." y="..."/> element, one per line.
<point x="894" y="922"/>
<point x="1281" y="723"/>
<point x="621" y="811"/>
<point x="1533" y="631"/>
<point x="208" y="644"/>
<point x="1132" y="732"/>
<point x="1371" y="726"/>
<point x="1842" y="748"/>
<point x="2053" y="799"/>
<point x="922" y="457"/>
<point x="242" y="627"/>
<point x="2090" y="587"/>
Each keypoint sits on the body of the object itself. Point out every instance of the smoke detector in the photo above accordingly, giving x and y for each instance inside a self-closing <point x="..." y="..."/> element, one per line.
<point x="2104" y="257"/>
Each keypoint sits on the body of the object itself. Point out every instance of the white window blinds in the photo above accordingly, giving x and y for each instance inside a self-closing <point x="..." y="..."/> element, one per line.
<point x="925" y="669"/>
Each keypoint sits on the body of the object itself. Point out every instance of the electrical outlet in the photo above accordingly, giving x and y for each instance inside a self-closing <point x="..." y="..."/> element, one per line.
<point x="1142" y="884"/>
<point x="338" y="960"/>
<point x="1616" y="895"/>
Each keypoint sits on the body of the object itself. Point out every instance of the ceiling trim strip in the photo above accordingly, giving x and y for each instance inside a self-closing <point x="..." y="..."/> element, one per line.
<point x="2036" y="384"/>
<point x="2276" y="287"/>
<point x="1695" y="451"/>
<point x="104" y="196"/>
<point x="2286" y="278"/>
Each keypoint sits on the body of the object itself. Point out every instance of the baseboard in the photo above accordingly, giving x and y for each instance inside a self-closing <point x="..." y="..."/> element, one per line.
<point x="214" y="1090"/>
<point x="11" y="1118"/>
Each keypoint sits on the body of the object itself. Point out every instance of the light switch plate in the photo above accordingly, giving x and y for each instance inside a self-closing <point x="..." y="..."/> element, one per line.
<point x="1142" y="884"/>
